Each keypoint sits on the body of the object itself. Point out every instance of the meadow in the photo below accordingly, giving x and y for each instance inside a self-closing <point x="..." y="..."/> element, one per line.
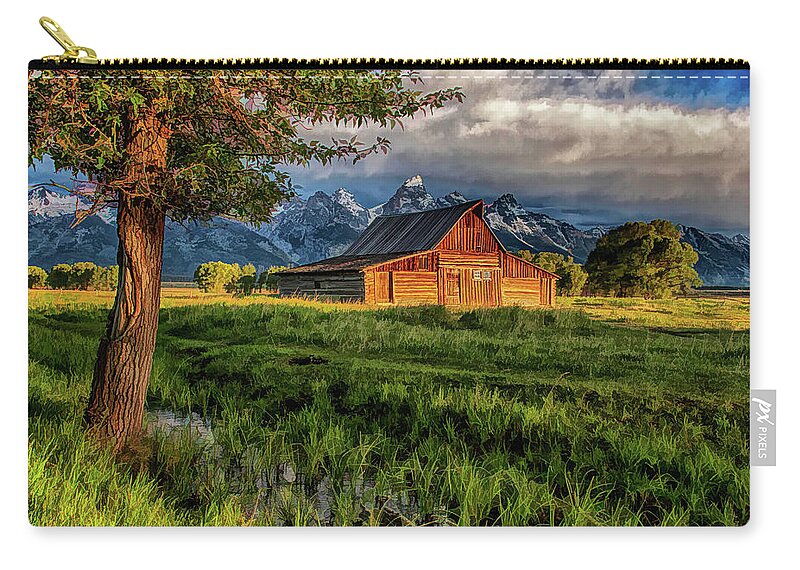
<point x="265" y="411"/>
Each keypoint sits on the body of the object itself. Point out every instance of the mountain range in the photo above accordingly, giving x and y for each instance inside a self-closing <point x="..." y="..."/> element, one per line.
<point x="324" y="225"/>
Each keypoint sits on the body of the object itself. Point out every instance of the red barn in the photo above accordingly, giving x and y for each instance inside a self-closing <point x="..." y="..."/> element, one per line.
<point x="448" y="256"/>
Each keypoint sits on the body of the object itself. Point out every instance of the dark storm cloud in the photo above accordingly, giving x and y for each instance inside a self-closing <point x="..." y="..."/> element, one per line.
<point x="639" y="145"/>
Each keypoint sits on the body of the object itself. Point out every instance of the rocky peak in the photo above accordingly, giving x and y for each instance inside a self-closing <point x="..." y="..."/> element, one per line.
<point x="46" y="203"/>
<point x="410" y="197"/>
<point x="741" y="239"/>
<point x="347" y="200"/>
<point x="451" y="199"/>
<point x="414" y="181"/>
<point x="507" y="205"/>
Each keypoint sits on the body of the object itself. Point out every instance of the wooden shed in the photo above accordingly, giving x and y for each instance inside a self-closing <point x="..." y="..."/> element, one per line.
<point x="448" y="256"/>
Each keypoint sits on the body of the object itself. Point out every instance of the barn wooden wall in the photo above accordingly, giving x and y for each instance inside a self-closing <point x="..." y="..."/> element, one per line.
<point x="548" y="291"/>
<point x="333" y="286"/>
<point x="526" y="284"/>
<point x="369" y="287"/>
<point x="414" y="288"/>
<point x="421" y="262"/>
<point x="470" y="234"/>
<point x="521" y="291"/>
<point x="513" y="266"/>
<point x="468" y="258"/>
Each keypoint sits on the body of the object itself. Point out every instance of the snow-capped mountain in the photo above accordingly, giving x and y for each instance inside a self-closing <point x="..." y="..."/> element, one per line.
<point x="450" y="199"/>
<point x="741" y="239"/>
<point x="45" y="203"/>
<point x="519" y="228"/>
<point x="324" y="225"/>
<point x="722" y="261"/>
<point x="410" y="197"/>
<point x="52" y="240"/>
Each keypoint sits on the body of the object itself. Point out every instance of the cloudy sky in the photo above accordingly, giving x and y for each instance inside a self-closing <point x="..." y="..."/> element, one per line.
<point x="586" y="146"/>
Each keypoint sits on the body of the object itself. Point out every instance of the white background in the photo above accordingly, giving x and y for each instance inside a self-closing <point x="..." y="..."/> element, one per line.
<point x="757" y="31"/>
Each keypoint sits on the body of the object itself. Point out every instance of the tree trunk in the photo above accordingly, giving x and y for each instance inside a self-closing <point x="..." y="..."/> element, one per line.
<point x="125" y="355"/>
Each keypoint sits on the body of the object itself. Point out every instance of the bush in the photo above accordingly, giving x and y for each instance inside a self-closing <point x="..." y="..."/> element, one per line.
<point x="37" y="277"/>
<point x="59" y="276"/>
<point x="217" y="276"/>
<point x="83" y="275"/>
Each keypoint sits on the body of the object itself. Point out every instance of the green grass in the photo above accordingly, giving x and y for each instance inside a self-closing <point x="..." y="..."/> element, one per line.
<point x="423" y="416"/>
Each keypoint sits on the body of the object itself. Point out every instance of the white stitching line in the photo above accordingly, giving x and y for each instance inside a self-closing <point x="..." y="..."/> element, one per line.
<point x="421" y="76"/>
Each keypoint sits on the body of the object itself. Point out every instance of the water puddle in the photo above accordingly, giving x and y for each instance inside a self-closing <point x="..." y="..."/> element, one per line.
<point x="171" y="423"/>
<point x="284" y="496"/>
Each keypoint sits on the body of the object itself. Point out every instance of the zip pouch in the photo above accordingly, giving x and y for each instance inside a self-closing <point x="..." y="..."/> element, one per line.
<point x="388" y="292"/>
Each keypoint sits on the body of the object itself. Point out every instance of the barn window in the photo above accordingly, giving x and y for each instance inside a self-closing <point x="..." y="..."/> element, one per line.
<point x="487" y="275"/>
<point x="476" y="275"/>
<point x="317" y="285"/>
<point x="423" y="262"/>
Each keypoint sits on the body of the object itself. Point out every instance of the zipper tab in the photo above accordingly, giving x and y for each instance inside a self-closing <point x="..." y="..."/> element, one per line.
<point x="72" y="52"/>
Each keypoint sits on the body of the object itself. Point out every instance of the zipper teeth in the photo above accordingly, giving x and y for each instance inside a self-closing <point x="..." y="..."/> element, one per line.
<point x="443" y="63"/>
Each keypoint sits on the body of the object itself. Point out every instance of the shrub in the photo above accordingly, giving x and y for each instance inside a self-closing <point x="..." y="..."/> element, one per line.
<point x="217" y="276"/>
<point x="59" y="276"/>
<point x="37" y="277"/>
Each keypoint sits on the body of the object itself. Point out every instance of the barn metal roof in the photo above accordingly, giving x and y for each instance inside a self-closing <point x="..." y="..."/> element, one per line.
<point x="343" y="263"/>
<point x="396" y="236"/>
<point x="407" y="233"/>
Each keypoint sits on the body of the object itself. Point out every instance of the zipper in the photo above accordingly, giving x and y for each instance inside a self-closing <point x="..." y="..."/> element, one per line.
<point x="79" y="57"/>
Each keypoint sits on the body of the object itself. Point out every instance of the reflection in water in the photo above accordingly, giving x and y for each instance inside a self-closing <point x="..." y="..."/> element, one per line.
<point x="169" y="422"/>
<point x="283" y="495"/>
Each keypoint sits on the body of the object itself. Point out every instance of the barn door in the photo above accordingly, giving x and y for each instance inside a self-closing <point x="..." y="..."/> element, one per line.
<point x="384" y="287"/>
<point x="452" y="287"/>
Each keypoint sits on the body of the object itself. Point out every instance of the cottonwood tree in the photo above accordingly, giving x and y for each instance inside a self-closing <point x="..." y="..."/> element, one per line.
<point x="572" y="276"/>
<point x="247" y="280"/>
<point x="159" y="144"/>
<point x="59" y="276"/>
<point x="216" y="276"/>
<point x="37" y="277"/>
<point x="641" y="259"/>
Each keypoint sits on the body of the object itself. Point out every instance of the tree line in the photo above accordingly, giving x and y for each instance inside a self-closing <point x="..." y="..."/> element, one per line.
<point x="83" y="275"/>
<point x="636" y="259"/>
<point x="219" y="277"/>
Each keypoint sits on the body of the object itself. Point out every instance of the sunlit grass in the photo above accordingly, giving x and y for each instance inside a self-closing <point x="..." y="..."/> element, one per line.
<point x="716" y="313"/>
<point x="600" y="412"/>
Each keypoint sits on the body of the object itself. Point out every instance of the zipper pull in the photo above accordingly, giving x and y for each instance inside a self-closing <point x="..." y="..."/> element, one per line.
<point x="72" y="52"/>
